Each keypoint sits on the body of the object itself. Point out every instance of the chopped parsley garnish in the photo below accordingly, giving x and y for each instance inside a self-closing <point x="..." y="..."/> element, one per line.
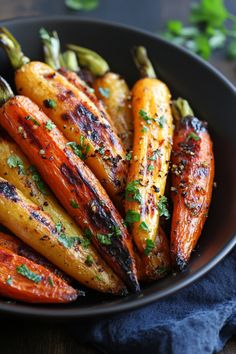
<point x="50" y="103"/>
<point x="27" y="273"/>
<point x="193" y="136"/>
<point x="104" y="239"/>
<point x="143" y="114"/>
<point x="9" y="281"/>
<point x="68" y="241"/>
<point x="85" y="243"/>
<point x="132" y="193"/>
<point x="105" y="92"/>
<point x="74" y="204"/>
<point x="150" y="168"/>
<point x="162" y="207"/>
<point x="14" y="161"/>
<point x="132" y="216"/>
<point x="144" y="129"/>
<point x="149" y="247"/>
<point x="81" y="149"/>
<point x="116" y="231"/>
<point x="149" y="120"/>
<point x="155" y="154"/>
<point x="89" y="260"/>
<point x="99" y="277"/>
<point x="101" y="150"/>
<point x="86" y="5"/>
<point x="32" y="120"/>
<point x="129" y="155"/>
<point x="50" y="125"/>
<point x="58" y="227"/>
<point x="38" y="180"/>
<point x="161" y="121"/>
<point x="143" y="226"/>
<point x="88" y="234"/>
<point x="51" y="282"/>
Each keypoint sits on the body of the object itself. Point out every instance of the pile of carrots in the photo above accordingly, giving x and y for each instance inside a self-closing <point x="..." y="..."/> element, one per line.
<point x="84" y="167"/>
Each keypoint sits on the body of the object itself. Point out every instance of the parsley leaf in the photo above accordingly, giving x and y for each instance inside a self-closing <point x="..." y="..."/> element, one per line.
<point x="50" y="103"/>
<point x="132" y="193"/>
<point x="132" y="216"/>
<point x="105" y="92"/>
<point x="155" y="154"/>
<point x="129" y="156"/>
<point x="104" y="239"/>
<point x="74" y="204"/>
<point x="27" y="273"/>
<point x="81" y="149"/>
<point x="38" y="180"/>
<point x="149" y="246"/>
<point x="58" y="227"/>
<point x="212" y="12"/>
<point x="68" y="241"/>
<point x="15" y="161"/>
<point x="193" y="136"/>
<point x="143" y="226"/>
<point x="162" y="207"/>
<point x="49" y="125"/>
<point x="89" y="260"/>
<point x="86" y="5"/>
<point x="32" y="120"/>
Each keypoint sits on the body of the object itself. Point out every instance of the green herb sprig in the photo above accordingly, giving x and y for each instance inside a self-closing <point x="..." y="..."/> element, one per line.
<point x="207" y="30"/>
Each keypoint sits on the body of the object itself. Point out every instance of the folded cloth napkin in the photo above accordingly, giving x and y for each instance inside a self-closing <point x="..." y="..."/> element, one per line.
<point x="197" y="319"/>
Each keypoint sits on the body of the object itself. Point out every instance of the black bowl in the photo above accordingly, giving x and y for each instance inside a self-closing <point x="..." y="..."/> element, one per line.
<point x="213" y="99"/>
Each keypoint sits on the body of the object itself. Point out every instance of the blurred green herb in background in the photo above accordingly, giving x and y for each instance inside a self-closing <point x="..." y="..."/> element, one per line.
<point x="211" y="27"/>
<point x="86" y="5"/>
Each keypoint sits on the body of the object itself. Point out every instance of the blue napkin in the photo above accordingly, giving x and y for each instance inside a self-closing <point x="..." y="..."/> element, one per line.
<point x="197" y="319"/>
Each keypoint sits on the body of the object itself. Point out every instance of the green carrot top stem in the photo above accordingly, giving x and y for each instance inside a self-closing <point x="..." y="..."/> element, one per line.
<point x="90" y="59"/>
<point x="70" y="61"/>
<point x="5" y="91"/>
<point x="180" y="109"/>
<point x="143" y="63"/>
<point x="51" y="48"/>
<point x="13" y="49"/>
<point x="52" y="52"/>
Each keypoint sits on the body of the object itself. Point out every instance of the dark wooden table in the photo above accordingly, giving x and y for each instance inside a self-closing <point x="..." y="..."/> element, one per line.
<point x="17" y="337"/>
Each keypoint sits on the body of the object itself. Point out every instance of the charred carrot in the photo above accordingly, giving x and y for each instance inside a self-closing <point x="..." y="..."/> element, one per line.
<point x="73" y="183"/>
<point x="16" y="169"/>
<point x="14" y="244"/>
<point x="153" y="129"/>
<point x="67" y="65"/>
<point x="24" y="280"/>
<point x="192" y="181"/>
<point x="90" y="134"/>
<point x="112" y="90"/>
<point x="155" y="263"/>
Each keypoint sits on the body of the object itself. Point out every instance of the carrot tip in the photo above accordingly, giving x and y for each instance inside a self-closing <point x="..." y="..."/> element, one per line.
<point x="180" y="262"/>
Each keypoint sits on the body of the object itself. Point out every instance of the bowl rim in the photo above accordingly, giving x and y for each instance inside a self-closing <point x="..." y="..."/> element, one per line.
<point x="29" y="310"/>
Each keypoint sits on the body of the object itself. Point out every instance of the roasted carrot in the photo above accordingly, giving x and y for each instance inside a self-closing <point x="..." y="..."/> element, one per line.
<point x="90" y="134"/>
<point x="24" y="280"/>
<point x="36" y="229"/>
<point x="67" y="65"/>
<point x="112" y="90"/>
<point x="14" y="244"/>
<point x="73" y="183"/>
<point x="16" y="169"/>
<point x="156" y="263"/>
<point x="153" y="129"/>
<point x="192" y="181"/>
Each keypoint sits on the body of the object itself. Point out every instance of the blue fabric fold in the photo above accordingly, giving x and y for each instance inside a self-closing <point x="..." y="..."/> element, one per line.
<point x="197" y="319"/>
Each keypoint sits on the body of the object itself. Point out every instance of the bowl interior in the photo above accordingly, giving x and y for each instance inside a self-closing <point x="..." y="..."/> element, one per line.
<point x="212" y="98"/>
